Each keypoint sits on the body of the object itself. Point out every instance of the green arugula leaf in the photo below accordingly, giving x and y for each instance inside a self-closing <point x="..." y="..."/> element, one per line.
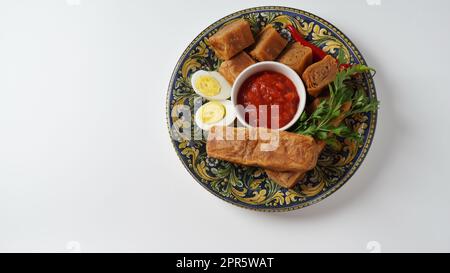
<point x="319" y="123"/>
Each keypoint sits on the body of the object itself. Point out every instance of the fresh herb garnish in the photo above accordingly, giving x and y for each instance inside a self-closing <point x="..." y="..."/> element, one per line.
<point x="319" y="124"/>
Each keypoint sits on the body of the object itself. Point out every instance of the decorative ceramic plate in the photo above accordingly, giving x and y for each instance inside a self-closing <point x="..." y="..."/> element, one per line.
<point x="246" y="186"/>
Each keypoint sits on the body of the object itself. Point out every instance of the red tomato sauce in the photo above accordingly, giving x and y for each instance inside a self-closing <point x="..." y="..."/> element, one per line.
<point x="269" y="88"/>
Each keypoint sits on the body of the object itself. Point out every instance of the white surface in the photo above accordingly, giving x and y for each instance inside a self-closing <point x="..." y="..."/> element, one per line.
<point x="86" y="162"/>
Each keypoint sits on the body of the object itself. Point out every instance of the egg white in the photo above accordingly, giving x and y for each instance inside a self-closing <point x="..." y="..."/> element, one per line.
<point x="230" y="116"/>
<point x="225" y="87"/>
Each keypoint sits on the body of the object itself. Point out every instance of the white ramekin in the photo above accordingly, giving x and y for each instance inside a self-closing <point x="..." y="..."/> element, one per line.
<point x="275" y="67"/>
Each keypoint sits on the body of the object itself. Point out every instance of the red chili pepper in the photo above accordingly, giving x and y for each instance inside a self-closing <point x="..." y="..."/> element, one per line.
<point x="318" y="53"/>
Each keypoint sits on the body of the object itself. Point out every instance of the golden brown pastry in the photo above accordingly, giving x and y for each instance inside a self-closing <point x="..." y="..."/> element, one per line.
<point x="233" y="67"/>
<point x="288" y="152"/>
<point x="318" y="75"/>
<point x="269" y="45"/>
<point x="290" y="179"/>
<point x="232" y="39"/>
<point x="297" y="57"/>
<point x="285" y="179"/>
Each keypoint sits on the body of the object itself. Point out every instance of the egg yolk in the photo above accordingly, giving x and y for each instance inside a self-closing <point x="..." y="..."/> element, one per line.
<point x="212" y="112"/>
<point x="207" y="85"/>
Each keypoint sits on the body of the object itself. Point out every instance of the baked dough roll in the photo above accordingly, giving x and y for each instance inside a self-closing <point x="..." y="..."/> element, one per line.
<point x="261" y="147"/>
<point x="290" y="179"/>
<point x="285" y="179"/>
<point x="232" y="39"/>
<point x="297" y="57"/>
<point x="318" y="75"/>
<point x="269" y="45"/>
<point x="233" y="67"/>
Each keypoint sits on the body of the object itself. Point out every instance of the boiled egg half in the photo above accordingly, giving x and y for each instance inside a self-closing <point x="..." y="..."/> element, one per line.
<point x="210" y="85"/>
<point x="220" y="113"/>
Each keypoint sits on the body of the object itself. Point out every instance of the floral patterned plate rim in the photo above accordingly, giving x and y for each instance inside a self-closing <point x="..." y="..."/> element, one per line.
<point x="249" y="187"/>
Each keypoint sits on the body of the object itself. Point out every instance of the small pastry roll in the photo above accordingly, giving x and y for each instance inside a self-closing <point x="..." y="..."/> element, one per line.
<point x="318" y="75"/>
<point x="233" y="67"/>
<point x="285" y="179"/>
<point x="297" y="57"/>
<point x="232" y="39"/>
<point x="269" y="45"/>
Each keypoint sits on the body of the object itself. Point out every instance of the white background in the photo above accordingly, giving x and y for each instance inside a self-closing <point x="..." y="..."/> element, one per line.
<point x="86" y="162"/>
